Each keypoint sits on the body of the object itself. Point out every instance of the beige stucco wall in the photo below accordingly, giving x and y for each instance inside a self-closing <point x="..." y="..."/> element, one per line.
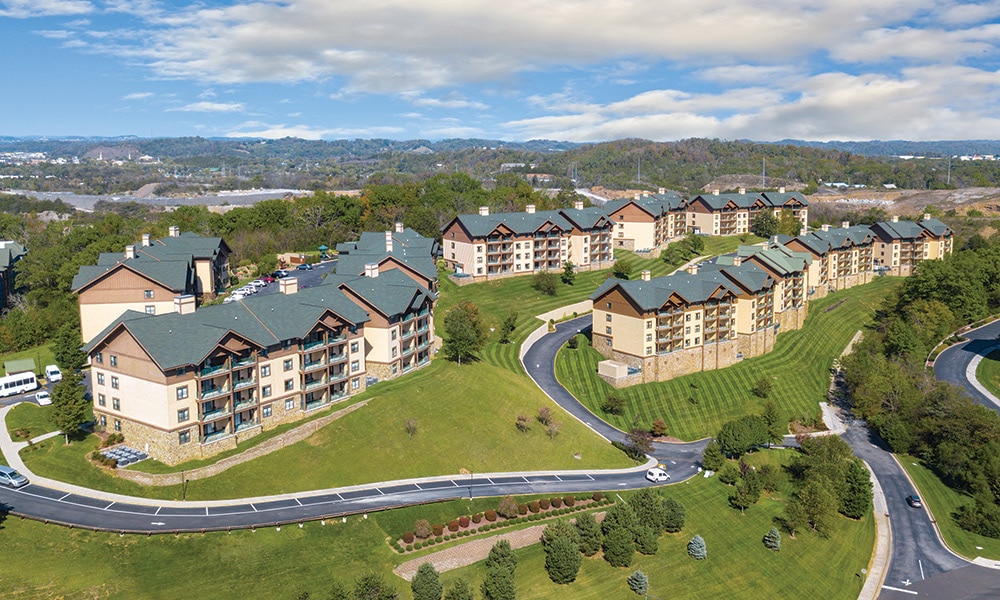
<point x="95" y="317"/>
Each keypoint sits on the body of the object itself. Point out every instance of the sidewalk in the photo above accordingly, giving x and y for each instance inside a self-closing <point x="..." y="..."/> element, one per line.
<point x="879" y="564"/>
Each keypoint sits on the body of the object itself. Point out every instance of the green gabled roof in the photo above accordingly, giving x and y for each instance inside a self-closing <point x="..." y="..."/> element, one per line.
<point x="936" y="227"/>
<point x="175" y="275"/>
<point x="584" y="218"/>
<point x="782" y="198"/>
<point x="719" y="201"/>
<point x="175" y="340"/>
<point x="655" y="204"/>
<point x="186" y="243"/>
<point x="409" y="247"/>
<point x="653" y="294"/>
<point x="748" y="276"/>
<point x="521" y="223"/>
<point x="392" y="292"/>
<point x="10" y="253"/>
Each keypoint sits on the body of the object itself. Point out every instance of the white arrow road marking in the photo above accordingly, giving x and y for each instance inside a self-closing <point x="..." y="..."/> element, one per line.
<point x="157" y="523"/>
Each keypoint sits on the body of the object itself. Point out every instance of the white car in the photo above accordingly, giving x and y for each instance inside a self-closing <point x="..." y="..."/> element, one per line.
<point x="657" y="475"/>
<point x="43" y="398"/>
<point x="258" y="283"/>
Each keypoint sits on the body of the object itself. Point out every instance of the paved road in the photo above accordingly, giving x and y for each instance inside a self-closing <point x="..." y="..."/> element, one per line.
<point x="951" y="364"/>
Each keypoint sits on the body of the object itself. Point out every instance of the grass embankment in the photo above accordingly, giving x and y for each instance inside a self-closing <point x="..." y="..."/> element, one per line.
<point x="465" y="419"/>
<point x="30" y="418"/>
<point x="942" y="502"/>
<point x="284" y="564"/>
<point x="988" y="372"/>
<point x="713" y="247"/>
<point x="695" y="406"/>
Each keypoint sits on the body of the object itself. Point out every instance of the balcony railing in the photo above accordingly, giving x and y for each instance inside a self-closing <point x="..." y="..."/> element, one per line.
<point x="335" y="377"/>
<point x="311" y="385"/>
<point x="247" y="425"/>
<point x="241" y="404"/>
<point x="213" y="393"/>
<point x="313" y="344"/>
<point x="239" y="384"/>
<point x="214" y="436"/>
<point x="244" y="362"/>
<point x="335" y="358"/>
<point x="213" y="369"/>
<point x="313" y="365"/>
<point x="215" y="414"/>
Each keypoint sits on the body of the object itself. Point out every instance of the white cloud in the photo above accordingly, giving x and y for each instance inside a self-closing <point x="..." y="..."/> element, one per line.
<point x="449" y="102"/>
<point x="23" y="9"/>
<point x="210" y="107"/>
<point x="437" y="133"/>
<point x="257" y="129"/>
<point x="138" y="96"/>
<point x="55" y="34"/>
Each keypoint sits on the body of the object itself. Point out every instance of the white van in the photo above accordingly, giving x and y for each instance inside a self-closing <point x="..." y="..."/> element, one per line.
<point x="52" y="373"/>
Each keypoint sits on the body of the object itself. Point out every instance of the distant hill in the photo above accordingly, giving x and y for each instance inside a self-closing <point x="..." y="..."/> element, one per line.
<point x="904" y="148"/>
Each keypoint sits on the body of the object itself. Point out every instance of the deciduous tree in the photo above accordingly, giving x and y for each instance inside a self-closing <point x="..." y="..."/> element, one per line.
<point x="465" y="333"/>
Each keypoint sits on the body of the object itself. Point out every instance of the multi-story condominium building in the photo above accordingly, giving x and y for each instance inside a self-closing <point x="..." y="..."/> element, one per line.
<point x="647" y="221"/>
<point x="733" y="214"/>
<point x="10" y="253"/>
<point x="403" y="249"/>
<point x="486" y="246"/>
<point x="900" y="245"/>
<point x="190" y="384"/>
<point x="147" y="278"/>
<point x="842" y="257"/>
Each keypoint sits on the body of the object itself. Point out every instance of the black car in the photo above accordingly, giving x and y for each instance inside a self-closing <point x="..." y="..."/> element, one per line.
<point x="914" y="501"/>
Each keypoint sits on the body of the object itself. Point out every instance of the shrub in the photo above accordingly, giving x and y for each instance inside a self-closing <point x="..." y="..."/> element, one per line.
<point x="569" y="500"/>
<point x="422" y="529"/>
<point x="438" y="528"/>
<point x="491" y="515"/>
<point x="533" y="506"/>
<point x="544" y="415"/>
<point x="417" y="546"/>
<point x="659" y="427"/>
<point x="408" y="537"/>
<point x="673" y="515"/>
<point x="556" y="502"/>
<point x="477" y="518"/>
<point x="573" y="343"/>
<point x="409" y="547"/>
<point x="697" y="549"/>
<point x="453" y="525"/>
<point x="522" y="509"/>
<point x="772" y="539"/>
<point x="613" y="405"/>
<point x="438" y="540"/>
<point x="638" y="582"/>
<point x="544" y="504"/>
<point x="507" y="507"/>
<point x="597" y="496"/>
<point x="463" y="521"/>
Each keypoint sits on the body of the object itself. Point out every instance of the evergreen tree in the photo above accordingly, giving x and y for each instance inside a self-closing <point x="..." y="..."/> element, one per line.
<point x="426" y="584"/>
<point x="697" y="548"/>
<point x="498" y="584"/>
<point x="69" y="406"/>
<point x="568" y="275"/>
<point x="620" y="516"/>
<point x="712" y="457"/>
<point x="372" y="586"/>
<point x="744" y="495"/>
<point x="772" y="539"/>
<point x="619" y="546"/>
<point x="561" y="528"/>
<point x="647" y="504"/>
<point x="562" y="559"/>
<point x="856" y="497"/>
<point x="508" y="326"/>
<point x="776" y="425"/>
<point x="673" y="515"/>
<point x="646" y="541"/>
<point x="465" y="333"/>
<point x="502" y="557"/>
<point x="338" y="591"/>
<point x="66" y="344"/>
<point x="638" y="582"/>
<point x="591" y="538"/>
<point x="460" y="590"/>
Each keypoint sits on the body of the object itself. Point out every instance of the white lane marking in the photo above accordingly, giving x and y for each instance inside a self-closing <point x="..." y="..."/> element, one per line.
<point x="64" y="497"/>
<point x="157" y="523"/>
<point x="297" y="501"/>
<point x="253" y="507"/>
<point x="921" y="569"/>
<point x="895" y="589"/>
<point x="108" y="506"/>
<point x="157" y="511"/>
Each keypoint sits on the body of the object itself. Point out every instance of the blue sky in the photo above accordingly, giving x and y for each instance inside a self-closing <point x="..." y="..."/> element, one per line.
<point x="576" y="70"/>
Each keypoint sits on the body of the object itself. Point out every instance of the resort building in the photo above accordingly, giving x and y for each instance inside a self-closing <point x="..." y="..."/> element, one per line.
<point x="841" y="257"/>
<point x="10" y="253"/>
<point x="403" y="249"/>
<point x="647" y="221"/>
<point x="151" y="278"/>
<point x="486" y="246"/>
<point x="900" y="245"/>
<point x="733" y="214"/>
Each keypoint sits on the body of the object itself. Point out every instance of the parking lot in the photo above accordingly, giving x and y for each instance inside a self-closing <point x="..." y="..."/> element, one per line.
<point x="306" y="279"/>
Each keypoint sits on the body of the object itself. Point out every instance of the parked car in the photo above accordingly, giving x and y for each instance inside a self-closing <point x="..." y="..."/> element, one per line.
<point x="657" y="475"/>
<point x="280" y="273"/>
<point x="305" y="267"/>
<point x="268" y="279"/>
<point x="52" y="373"/>
<point x="914" y="501"/>
<point x="43" y="398"/>
<point x="12" y="478"/>
<point x="259" y="283"/>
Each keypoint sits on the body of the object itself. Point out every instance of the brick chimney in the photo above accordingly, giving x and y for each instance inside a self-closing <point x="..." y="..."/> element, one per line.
<point x="145" y="240"/>
<point x="371" y="270"/>
<point x="484" y="211"/>
<point x="175" y="231"/>
<point x="388" y="241"/>
<point x="645" y="274"/>
<point x="184" y="305"/>
<point x="288" y="285"/>
<point x="399" y="227"/>
<point x="530" y="209"/>
<point x="737" y="261"/>
<point x="130" y="251"/>
<point x="693" y="269"/>
<point x="578" y="204"/>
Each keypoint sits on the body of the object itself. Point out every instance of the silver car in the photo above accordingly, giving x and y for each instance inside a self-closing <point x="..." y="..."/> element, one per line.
<point x="12" y="478"/>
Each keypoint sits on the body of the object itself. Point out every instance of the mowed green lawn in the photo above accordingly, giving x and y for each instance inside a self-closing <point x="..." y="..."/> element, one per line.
<point x="34" y="419"/>
<point x="465" y="420"/>
<point x="988" y="372"/>
<point x="943" y="501"/>
<point x="695" y="406"/>
<point x="285" y="564"/>
<point x="738" y="564"/>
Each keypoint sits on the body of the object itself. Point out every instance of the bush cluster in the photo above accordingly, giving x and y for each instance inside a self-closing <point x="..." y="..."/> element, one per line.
<point x="106" y="461"/>
<point x="438" y="529"/>
<point x="544" y="503"/>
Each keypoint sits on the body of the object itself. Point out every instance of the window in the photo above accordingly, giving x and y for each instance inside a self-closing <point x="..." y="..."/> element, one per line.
<point x="184" y="437"/>
<point x="266" y="411"/>
<point x="182" y="415"/>
<point x="607" y="342"/>
<point x="289" y="385"/>
<point x="355" y="383"/>
<point x="265" y="391"/>
<point x="355" y="366"/>
<point x="607" y="317"/>
<point x="354" y="346"/>
<point x="116" y="404"/>
<point x="147" y="294"/>
<point x="649" y="349"/>
<point x="290" y="404"/>
<point x="687" y="342"/>
<point x="101" y="400"/>
<point x="697" y="316"/>
<point x="100" y="379"/>
<point x="150" y="309"/>
<point x="99" y="358"/>
<point x="114" y="382"/>
<point x="687" y="330"/>
<point x="114" y="360"/>
<point x="393" y="335"/>
<point x="104" y="421"/>
<point x="608" y="305"/>
<point x="395" y="368"/>
<point x="697" y="340"/>
<point x="265" y="371"/>
<point x="118" y="425"/>
<point x="649" y="337"/>
<point x="287" y="365"/>
<point x="607" y="330"/>
<point x="182" y="392"/>
<point x="697" y="328"/>
<point x="649" y="324"/>
<point x="687" y="317"/>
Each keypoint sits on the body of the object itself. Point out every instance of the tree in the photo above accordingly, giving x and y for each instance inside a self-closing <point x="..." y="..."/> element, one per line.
<point x="553" y="429"/>
<point x="613" y="404"/>
<point x="819" y="504"/>
<point x="622" y="269"/>
<point x="498" y="584"/>
<point x="465" y="333"/>
<point x="545" y="282"/>
<point x="337" y="591"/>
<point x="712" y="457"/>
<point x="856" y="496"/>
<point x="623" y="516"/>
<point x="646" y="540"/>
<point x="544" y="415"/>
<point x="460" y="590"/>
<point x="502" y="557"/>
<point x="372" y="586"/>
<point x="697" y="549"/>
<point x="591" y="538"/>
<point x="508" y="326"/>
<point x="772" y="539"/>
<point x="764" y="224"/>
<point x="762" y="387"/>
<point x="411" y="427"/>
<point x="619" y="546"/>
<point x="638" y="582"/>
<point x="69" y="405"/>
<point x="673" y="515"/>
<point x="640" y="439"/>
<point x="426" y="584"/>
<point x="776" y="425"/>
<point x="568" y="275"/>
<point x="794" y="516"/>
<point x="744" y="495"/>
<point x="647" y="504"/>
<point x="522" y="423"/>
<point x="66" y="345"/>
<point x="741" y="435"/>
<point x="562" y="557"/>
<point x="788" y="223"/>
<point x="695" y="244"/>
<point x="659" y="428"/>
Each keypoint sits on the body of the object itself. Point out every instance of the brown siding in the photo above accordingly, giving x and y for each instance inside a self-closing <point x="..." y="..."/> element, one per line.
<point x="620" y="304"/>
<point x="124" y="285"/>
<point x="632" y="214"/>
<point x="456" y="233"/>
<point x="132" y="358"/>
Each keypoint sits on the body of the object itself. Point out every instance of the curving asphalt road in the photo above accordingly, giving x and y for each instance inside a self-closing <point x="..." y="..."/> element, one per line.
<point x="952" y="364"/>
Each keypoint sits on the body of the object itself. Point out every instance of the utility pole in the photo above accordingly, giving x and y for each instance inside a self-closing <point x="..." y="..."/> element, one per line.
<point x="763" y="172"/>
